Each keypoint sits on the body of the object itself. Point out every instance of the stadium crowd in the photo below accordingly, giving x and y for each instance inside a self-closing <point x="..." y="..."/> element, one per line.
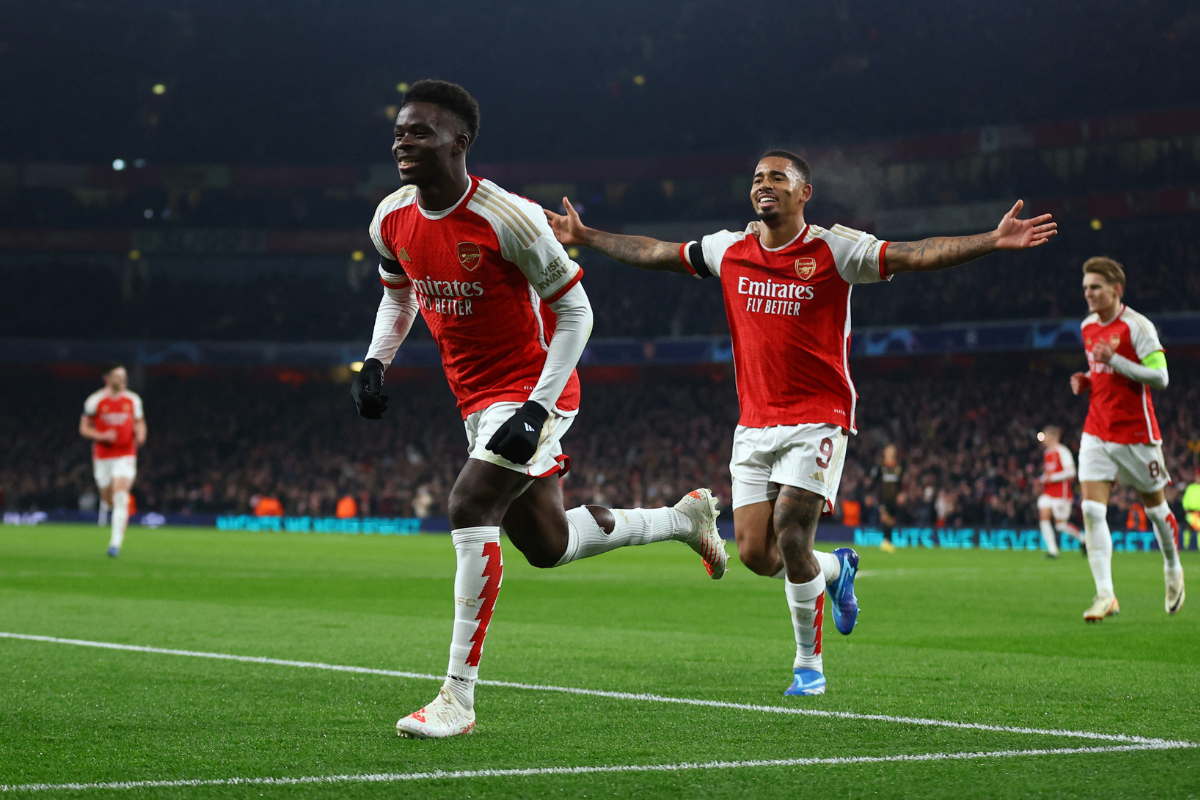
<point x="222" y="443"/>
<point x="336" y="300"/>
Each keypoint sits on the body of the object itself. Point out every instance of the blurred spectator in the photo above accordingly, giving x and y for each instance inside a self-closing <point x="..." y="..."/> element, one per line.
<point x="268" y="506"/>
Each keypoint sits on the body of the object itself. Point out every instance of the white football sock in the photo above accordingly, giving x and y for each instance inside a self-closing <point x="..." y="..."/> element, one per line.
<point x="806" y="601"/>
<point x="1166" y="530"/>
<point x="1099" y="544"/>
<point x="1049" y="537"/>
<point x="476" y="585"/>
<point x="585" y="537"/>
<point x="102" y="519"/>
<point x="831" y="567"/>
<point x="120" y="518"/>
<point x="1069" y="530"/>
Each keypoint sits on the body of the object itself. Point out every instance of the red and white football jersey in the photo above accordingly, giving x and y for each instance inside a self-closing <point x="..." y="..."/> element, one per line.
<point x="1120" y="409"/>
<point x="789" y="315"/>
<point x="484" y="272"/>
<point x="117" y="412"/>
<point x="1058" y="465"/>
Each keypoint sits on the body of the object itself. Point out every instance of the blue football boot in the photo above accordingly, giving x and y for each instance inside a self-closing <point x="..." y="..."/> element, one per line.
<point x="806" y="682"/>
<point x="113" y="552"/>
<point x="841" y="591"/>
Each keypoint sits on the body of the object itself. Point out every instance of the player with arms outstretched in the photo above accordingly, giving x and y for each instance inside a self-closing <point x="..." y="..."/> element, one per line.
<point x="510" y="318"/>
<point x="787" y="296"/>
<point x="1055" y="500"/>
<point x="1120" y="436"/>
<point x="113" y="420"/>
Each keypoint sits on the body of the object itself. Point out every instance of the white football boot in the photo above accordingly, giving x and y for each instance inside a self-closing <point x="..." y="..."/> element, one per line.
<point x="701" y="508"/>
<point x="1102" y="607"/>
<point x="442" y="718"/>
<point x="1175" y="591"/>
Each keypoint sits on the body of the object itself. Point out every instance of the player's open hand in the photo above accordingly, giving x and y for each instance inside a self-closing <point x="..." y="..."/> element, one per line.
<point x="569" y="228"/>
<point x="1102" y="351"/>
<point x="1021" y="234"/>
<point x="367" y="388"/>
<point x="109" y="436"/>
<point x="1080" y="382"/>
<point x="517" y="438"/>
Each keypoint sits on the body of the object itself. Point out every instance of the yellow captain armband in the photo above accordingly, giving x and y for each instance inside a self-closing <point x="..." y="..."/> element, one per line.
<point x="1156" y="360"/>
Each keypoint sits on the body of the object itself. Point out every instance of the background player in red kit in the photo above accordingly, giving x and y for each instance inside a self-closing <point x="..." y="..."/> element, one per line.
<point x="1054" y="501"/>
<point x="787" y="295"/>
<point x="113" y="420"/>
<point x="510" y="318"/>
<point x="1120" y="436"/>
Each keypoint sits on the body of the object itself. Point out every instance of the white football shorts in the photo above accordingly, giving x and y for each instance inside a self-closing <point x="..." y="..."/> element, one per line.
<point x="809" y="456"/>
<point x="1138" y="465"/>
<point x="105" y="469"/>
<point x="1060" y="507"/>
<point x="547" y="460"/>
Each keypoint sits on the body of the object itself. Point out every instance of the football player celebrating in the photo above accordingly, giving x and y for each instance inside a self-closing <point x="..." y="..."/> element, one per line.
<point x="113" y="419"/>
<point x="1054" y="501"/>
<point x="787" y="295"/>
<point x="1120" y="435"/>
<point x="510" y="318"/>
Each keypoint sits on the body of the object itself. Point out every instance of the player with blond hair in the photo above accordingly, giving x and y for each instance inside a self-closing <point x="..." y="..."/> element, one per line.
<point x="1120" y="436"/>
<point x="1055" y="500"/>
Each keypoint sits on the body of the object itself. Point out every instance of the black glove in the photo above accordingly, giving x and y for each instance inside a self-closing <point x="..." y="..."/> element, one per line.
<point x="366" y="388"/>
<point x="517" y="439"/>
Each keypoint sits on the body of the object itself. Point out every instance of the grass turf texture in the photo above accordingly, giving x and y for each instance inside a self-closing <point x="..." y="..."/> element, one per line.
<point x="990" y="637"/>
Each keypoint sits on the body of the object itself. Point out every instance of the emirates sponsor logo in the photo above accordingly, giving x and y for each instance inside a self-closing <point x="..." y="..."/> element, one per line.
<point x="805" y="268"/>
<point x="469" y="255"/>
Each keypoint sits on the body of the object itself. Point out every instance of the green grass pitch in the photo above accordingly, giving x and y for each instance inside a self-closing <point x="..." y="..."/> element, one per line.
<point x="977" y="637"/>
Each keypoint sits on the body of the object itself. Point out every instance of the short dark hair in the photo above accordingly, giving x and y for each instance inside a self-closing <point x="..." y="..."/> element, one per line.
<point x="801" y="164"/>
<point x="450" y="96"/>
<point x="110" y="366"/>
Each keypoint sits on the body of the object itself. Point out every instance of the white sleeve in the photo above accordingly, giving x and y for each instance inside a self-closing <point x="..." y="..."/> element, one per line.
<point x="1143" y="335"/>
<point x="1154" y="378"/>
<point x="91" y="405"/>
<point x="137" y="405"/>
<point x="571" y="331"/>
<point x="394" y="318"/>
<point x="1068" y="463"/>
<point x="376" y="232"/>
<point x="860" y="257"/>
<point x="527" y="240"/>
<point x="712" y="250"/>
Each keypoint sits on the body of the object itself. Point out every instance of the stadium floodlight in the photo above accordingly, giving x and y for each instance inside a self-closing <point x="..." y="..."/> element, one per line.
<point x="118" y="164"/>
<point x="159" y="88"/>
<point x="356" y="366"/>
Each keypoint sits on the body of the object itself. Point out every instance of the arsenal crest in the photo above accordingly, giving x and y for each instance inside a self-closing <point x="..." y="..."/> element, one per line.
<point x="1114" y="340"/>
<point x="469" y="255"/>
<point x="805" y="267"/>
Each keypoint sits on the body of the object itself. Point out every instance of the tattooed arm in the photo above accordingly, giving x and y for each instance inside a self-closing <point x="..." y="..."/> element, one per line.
<point x="949" y="251"/>
<point x="636" y="251"/>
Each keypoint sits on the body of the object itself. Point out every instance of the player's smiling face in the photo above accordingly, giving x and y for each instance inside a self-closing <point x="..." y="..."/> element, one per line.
<point x="1101" y="295"/>
<point x="778" y="189"/>
<point x="427" y="138"/>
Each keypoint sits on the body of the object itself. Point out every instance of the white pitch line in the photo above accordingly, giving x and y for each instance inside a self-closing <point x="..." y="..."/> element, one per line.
<point x="397" y="777"/>
<point x="637" y="697"/>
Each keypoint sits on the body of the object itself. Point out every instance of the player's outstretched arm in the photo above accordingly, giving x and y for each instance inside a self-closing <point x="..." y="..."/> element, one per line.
<point x="636" y="251"/>
<point x="942" y="252"/>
